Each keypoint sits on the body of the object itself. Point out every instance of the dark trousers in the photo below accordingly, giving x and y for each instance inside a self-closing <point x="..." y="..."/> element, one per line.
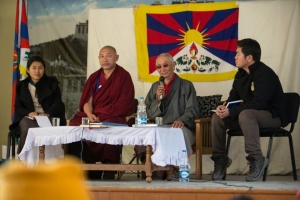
<point x="81" y="150"/>
<point x="24" y="125"/>
<point x="249" y="121"/>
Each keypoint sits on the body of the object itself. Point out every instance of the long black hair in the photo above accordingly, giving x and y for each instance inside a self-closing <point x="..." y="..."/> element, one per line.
<point x="41" y="84"/>
<point x="35" y="59"/>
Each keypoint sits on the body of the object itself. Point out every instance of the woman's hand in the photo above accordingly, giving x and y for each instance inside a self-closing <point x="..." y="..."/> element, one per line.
<point x="32" y="115"/>
<point x="44" y="114"/>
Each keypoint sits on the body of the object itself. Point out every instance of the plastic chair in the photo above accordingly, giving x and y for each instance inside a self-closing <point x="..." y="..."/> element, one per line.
<point x="13" y="135"/>
<point x="292" y="108"/>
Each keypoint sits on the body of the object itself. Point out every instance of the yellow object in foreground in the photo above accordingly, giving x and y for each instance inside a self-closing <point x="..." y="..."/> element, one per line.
<point x="60" y="181"/>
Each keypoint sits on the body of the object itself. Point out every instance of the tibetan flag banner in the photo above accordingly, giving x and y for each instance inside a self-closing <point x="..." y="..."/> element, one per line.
<point x="201" y="37"/>
<point x="21" y="49"/>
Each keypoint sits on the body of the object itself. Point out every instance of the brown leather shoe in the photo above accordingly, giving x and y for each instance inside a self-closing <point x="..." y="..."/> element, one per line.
<point x="175" y="173"/>
<point x="159" y="174"/>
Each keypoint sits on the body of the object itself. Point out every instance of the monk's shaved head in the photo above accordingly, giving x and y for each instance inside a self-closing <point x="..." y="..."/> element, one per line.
<point x="109" y="47"/>
<point x="107" y="58"/>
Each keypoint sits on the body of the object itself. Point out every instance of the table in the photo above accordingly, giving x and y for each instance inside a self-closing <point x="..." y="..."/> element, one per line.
<point x="166" y="144"/>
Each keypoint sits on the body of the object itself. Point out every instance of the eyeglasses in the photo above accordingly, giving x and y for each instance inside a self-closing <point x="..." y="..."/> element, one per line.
<point x="164" y="65"/>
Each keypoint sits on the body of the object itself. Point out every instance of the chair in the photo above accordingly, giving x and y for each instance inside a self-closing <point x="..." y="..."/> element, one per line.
<point x="203" y="128"/>
<point x="292" y="108"/>
<point x="13" y="135"/>
<point x="203" y="142"/>
<point x="130" y="120"/>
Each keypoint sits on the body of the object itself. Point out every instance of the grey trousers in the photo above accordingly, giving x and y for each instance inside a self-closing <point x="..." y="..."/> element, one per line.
<point x="249" y="121"/>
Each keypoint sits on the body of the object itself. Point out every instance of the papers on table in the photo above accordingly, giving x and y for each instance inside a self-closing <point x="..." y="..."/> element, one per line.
<point x="93" y="125"/>
<point x="43" y="121"/>
<point x="150" y="125"/>
<point x="102" y="125"/>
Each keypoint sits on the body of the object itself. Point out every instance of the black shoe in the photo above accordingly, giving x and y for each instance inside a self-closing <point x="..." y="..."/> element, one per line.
<point x="256" y="168"/>
<point x="221" y="164"/>
<point x="94" y="175"/>
<point x="109" y="175"/>
<point x="143" y="157"/>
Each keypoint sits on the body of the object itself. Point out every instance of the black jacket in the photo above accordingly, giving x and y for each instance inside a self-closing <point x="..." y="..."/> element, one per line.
<point x="49" y="97"/>
<point x="260" y="90"/>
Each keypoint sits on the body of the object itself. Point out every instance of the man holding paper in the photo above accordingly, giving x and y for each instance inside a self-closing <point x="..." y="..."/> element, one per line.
<point x="37" y="95"/>
<point x="260" y="89"/>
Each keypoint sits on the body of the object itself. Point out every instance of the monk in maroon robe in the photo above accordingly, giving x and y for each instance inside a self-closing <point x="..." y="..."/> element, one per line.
<point x="108" y="96"/>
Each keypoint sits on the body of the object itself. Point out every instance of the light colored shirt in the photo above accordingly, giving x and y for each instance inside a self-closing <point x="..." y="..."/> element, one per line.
<point x="37" y="106"/>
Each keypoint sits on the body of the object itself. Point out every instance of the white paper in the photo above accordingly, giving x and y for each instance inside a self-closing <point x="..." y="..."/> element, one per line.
<point x="43" y="121"/>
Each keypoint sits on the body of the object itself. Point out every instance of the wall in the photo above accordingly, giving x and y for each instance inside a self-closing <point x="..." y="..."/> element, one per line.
<point x="7" y="23"/>
<point x="274" y="24"/>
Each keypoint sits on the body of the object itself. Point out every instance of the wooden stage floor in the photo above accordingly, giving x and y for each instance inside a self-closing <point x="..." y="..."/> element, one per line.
<point x="131" y="187"/>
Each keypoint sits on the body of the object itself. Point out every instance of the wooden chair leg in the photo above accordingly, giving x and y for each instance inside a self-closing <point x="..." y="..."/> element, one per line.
<point x="42" y="154"/>
<point x="198" y="152"/>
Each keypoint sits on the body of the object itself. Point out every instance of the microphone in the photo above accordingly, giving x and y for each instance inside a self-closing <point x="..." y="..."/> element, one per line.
<point x="161" y="82"/>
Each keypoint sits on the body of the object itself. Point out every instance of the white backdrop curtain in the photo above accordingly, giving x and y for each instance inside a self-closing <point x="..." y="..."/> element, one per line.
<point x="274" y="24"/>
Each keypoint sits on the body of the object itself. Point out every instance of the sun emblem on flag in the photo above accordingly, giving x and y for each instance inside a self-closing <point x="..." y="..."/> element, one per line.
<point x="202" y="64"/>
<point x="201" y="41"/>
<point x="193" y="36"/>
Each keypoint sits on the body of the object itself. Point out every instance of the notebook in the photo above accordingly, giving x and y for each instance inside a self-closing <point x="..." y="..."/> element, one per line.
<point x="232" y="104"/>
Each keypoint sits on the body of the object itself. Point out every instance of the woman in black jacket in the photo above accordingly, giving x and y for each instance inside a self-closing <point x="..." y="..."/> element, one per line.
<point x="37" y="95"/>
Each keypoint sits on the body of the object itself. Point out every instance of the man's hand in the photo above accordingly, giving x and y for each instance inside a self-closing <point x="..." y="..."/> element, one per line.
<point x="222" y="112"/>
<point x="178" y="124"/>
<point x="88" y="110"/>
<point x="160" y="92"/>
<point x="93" y="118"/>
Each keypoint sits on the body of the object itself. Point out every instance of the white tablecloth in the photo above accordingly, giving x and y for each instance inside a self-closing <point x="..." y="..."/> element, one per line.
<point x="167" y="143"/>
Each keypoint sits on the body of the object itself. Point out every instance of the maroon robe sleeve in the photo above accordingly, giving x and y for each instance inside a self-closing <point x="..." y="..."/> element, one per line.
<point x="115" y="98"/>
<point x="88" y="89"/>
